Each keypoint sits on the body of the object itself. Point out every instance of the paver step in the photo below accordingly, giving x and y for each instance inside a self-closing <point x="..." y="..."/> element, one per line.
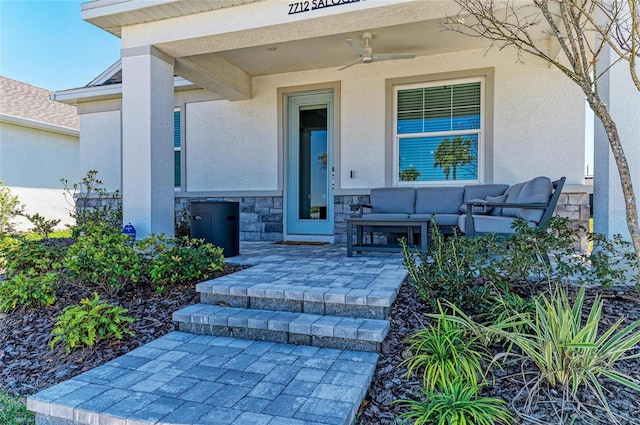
<point x="359" y="334"/>
<point x="372" y="302"/>
<point x="206" y="380"/>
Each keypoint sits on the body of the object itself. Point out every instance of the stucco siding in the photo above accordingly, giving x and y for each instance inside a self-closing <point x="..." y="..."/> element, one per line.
<point x="539" y="125"/>
<point x="101" y="147"/>
<point x="36" y="158"/>
<point x="33" y="162"/>
<point x="232" y="145"/>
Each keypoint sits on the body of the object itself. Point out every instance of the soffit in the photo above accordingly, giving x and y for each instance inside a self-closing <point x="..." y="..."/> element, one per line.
<point x="112" y="15"/>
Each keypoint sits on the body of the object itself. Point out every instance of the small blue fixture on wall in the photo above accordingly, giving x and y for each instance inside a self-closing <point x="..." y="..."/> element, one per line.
<point x="130" y="231"/>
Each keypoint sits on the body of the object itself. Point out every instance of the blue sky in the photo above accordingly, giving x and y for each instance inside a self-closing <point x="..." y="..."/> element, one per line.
<point x="46" y="43"/>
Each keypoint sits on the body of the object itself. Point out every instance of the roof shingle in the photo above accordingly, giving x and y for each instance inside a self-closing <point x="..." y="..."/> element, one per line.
<point x="29" y="102"/>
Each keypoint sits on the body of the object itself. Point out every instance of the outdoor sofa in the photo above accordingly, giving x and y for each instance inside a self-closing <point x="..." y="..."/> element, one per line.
<point x="473" y="209"/>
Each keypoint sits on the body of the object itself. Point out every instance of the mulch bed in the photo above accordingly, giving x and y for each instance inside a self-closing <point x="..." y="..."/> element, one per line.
<point x="390" y="381"/>
<point x="27" y="364"/>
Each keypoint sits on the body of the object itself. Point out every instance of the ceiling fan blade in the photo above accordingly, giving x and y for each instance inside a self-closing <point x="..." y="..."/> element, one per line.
<point x="351" y="64"/>
<point x="355" y="46"/>
<point x="392" y="57"/>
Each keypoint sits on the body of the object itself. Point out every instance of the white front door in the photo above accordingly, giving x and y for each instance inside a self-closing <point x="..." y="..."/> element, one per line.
<point x="309" y="195"/>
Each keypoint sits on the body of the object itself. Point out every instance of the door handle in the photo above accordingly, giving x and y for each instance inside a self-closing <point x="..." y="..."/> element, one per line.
<point x="197" y="218"/>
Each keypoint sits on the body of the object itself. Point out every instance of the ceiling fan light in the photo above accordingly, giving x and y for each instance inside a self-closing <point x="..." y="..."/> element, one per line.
<point x="367" y="59"/>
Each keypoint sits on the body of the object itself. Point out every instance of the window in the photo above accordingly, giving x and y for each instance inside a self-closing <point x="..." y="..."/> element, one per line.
<point x="439" y="131"/>
<point x="177" y="150"/>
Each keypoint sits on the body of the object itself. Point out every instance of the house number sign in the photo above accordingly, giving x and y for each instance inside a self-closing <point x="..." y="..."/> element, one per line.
<point x="310" y="5"/>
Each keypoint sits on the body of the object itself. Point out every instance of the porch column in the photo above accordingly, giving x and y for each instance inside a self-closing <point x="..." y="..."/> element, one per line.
<point x="623" y="99"/>
<point x="147" y="140"/>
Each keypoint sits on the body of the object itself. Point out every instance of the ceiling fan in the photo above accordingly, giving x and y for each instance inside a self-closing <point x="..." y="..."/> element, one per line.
<point x="366" y="52"/>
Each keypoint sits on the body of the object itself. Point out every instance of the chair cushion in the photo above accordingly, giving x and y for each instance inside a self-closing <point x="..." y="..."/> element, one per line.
<point x="488" y="223"/>
<point x="512" y="196"/>
<point x="501" y="199"/>
<point x="441" y="219"/>
<point x="480" y="191"/>
<point x="537" y="190"/>
<point x="393" y="200"/>
<point x="438" y="200"/>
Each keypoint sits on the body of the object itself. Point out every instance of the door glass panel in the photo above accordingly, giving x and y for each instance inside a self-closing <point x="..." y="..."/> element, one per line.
<point x="313" y="173"/>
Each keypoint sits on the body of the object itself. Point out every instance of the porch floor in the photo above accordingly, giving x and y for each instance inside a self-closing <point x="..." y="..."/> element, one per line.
<point x="214" y="377"/>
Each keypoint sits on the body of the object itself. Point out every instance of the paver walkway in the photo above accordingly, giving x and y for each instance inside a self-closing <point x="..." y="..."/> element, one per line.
<point x="292" y="296"/>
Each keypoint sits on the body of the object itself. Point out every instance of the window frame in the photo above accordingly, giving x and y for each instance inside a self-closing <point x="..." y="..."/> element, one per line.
<point x="481" y="132"/>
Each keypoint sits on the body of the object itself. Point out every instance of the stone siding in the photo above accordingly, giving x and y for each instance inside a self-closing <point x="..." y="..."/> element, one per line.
<point x="575" y="207"/>
<point x="261" y="218"/>
<point x="346" y="206"/>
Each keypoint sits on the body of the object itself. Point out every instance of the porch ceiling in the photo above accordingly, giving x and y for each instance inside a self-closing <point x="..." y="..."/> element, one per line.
<point x="223" y="57"/>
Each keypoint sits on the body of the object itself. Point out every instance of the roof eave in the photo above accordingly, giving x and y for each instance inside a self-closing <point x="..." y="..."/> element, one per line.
<point x="111" y="91"/>
<point x="39" y="125"/>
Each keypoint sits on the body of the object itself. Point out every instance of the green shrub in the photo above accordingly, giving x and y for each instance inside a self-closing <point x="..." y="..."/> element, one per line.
<point x="90" y="322"/>
<point x="443" y="352"/>
<point x="9" y="208"/>
<point x="13" y="411"/>
<point x="21" y="255"/>
<point x="41" y="226"/>
<point x="446" y="274"/>
<point x="28" y="290"/>
<point x="103" y="257"/>
<point x="176" y="260"/>
<point x="455" y="403"/>
<point x="568" y="351"/>
<point x="91" y="204"/>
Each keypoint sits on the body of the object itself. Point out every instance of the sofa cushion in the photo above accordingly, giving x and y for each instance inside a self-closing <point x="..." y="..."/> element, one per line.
<point x="441" y="219"/>
<point x="537" y="190"/>
<point x="393" y="200"/>
<point x="438" y="200"/>
<point x="488" y="223"/>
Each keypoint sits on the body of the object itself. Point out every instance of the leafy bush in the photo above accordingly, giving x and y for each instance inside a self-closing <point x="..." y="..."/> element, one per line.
<point x="90" y="322"/>
<point x="102" y="257"/>
<point x="28" y="290"/>
<point x="21" y="255"/>
<point x="9" y="208"/>
<point x="455" y="403"/>
<point x="569" y="353"/>
<point x="91" y="204"/>
<point x="447" y="274"/>
<point x="445" y="351"/>
<point x="42" y="226"/>
<point x="175" y="260"/>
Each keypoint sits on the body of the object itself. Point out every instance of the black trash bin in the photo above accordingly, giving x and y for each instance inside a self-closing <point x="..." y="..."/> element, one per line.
<point x="217" y="223"/>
